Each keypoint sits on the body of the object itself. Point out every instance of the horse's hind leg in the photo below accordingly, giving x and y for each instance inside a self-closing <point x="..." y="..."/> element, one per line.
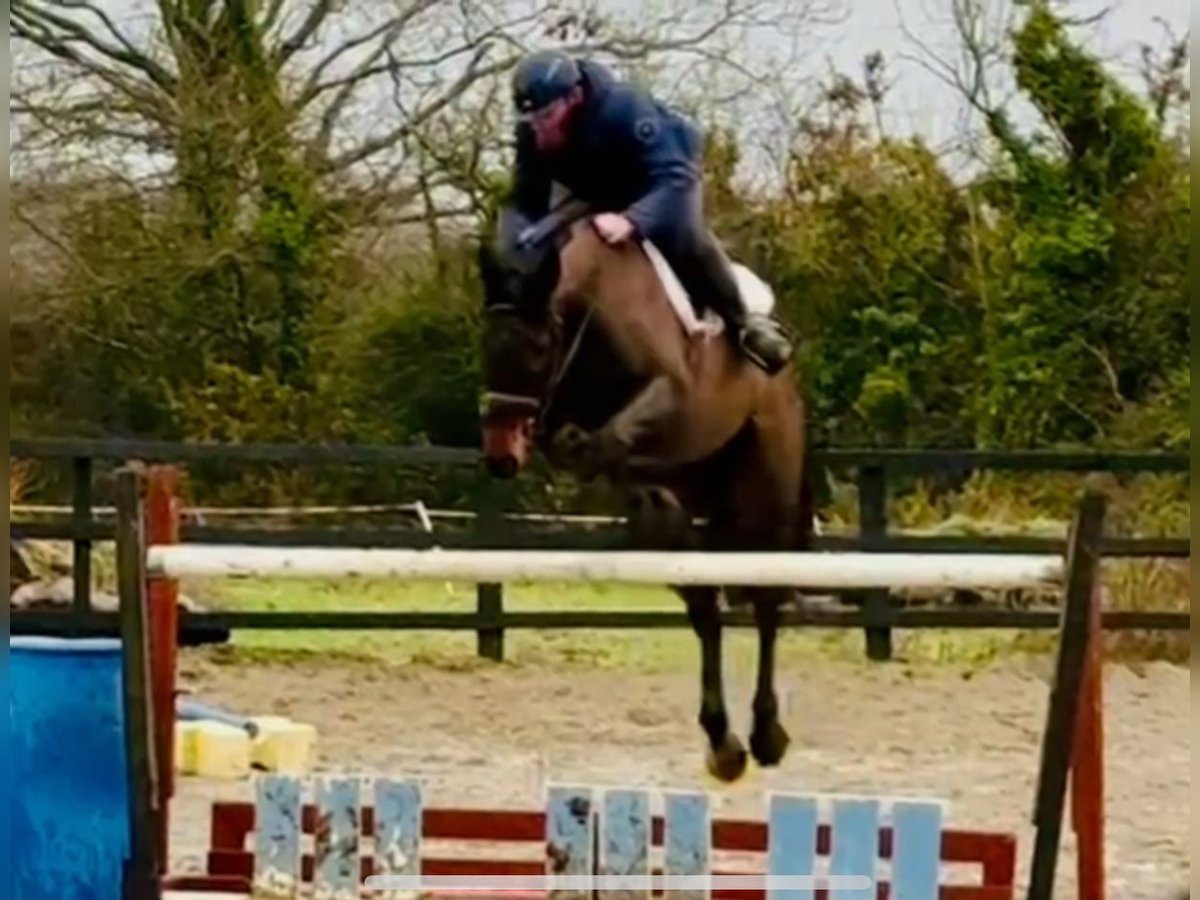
<point x="766" y="512"/>
<point x="658" y="521"/>
<point x="768" y="738"/>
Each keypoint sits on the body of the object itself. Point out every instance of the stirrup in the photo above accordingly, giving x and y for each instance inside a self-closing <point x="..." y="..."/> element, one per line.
<point x="765" y="345"/>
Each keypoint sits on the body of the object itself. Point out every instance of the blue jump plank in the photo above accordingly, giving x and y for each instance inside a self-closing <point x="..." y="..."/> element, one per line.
<point x="570" y="827"/>
<point x="791" y="843"/>
<point x="398" y="819"/>
<point x="916" y="849"/>
<point x="625" y="841"/>
<point x="687" y="842"/>
<point x="854" y="850"/>
<point x="277" y="836"/>
<point x="336" y="868"/>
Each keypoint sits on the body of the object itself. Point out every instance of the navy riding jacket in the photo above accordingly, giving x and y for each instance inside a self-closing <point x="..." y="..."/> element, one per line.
<point x="627" y="153"/>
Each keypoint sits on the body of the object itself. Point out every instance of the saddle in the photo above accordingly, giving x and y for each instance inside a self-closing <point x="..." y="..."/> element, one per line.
<point x="757" y="296"/>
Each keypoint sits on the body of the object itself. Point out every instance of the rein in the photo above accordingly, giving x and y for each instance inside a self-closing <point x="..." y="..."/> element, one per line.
<point x="561" y="372"/>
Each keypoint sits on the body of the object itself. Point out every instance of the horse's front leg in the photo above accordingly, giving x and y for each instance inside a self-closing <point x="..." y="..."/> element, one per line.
<point x="643" y="415"/>
<point x="607" y="450"/>
<point x="726" y="758"/>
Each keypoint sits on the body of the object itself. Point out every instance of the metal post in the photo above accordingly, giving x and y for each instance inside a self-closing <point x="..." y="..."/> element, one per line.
<point x="489" y="597"/>
<point x="872" y="517"/>
<point x="81" y="522"/>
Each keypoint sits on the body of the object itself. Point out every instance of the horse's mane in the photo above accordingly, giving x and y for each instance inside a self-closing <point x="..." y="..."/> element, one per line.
<point x="557" y="261"/>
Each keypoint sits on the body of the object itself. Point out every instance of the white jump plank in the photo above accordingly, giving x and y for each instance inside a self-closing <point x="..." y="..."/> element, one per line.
<point x="815" y="570"/>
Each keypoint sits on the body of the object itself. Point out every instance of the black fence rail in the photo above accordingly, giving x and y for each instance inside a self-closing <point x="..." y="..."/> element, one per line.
<point x="876" y="470"/>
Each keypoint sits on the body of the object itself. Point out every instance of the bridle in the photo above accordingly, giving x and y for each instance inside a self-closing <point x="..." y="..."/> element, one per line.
<point x="531" y="238"/>
<point x="540" y="407"/>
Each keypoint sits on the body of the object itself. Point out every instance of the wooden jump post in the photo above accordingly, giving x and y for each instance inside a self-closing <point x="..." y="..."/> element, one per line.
<point x="150" y="559"/>
<point x="1073" y="741"/>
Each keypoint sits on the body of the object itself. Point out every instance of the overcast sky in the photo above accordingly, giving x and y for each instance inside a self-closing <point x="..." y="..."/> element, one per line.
<point x="922" y="103"/>
<point x="918" y="102"/>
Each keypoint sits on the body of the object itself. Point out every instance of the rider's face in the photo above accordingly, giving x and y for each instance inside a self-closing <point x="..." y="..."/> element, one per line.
<point x="550" y="124"/>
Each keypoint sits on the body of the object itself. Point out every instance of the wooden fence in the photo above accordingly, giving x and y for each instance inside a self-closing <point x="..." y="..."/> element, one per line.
<point x="874" y="469"/>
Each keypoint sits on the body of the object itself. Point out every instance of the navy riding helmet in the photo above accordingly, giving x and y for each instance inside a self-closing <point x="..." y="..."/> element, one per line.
<point x="543" y="77"/>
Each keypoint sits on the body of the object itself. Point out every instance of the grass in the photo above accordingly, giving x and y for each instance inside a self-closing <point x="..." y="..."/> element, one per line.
<point x="626" y="650"/>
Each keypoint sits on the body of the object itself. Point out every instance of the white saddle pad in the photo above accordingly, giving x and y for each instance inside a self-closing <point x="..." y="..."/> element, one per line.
<point x="757" y="296"/>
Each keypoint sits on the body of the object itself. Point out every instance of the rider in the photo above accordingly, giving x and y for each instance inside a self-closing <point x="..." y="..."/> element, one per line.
<point x="611" y="145"/>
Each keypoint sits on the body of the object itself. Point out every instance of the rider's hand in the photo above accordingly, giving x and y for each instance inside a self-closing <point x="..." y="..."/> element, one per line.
<point x="613" y="227"/>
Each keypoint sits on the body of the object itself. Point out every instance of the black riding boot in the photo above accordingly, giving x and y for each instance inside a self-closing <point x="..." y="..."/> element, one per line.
<point x="707" y="276"/>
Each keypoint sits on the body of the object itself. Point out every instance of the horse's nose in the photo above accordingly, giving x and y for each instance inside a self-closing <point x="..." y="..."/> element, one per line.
<point x="505" y="447"/>
<point x="504" y="465"/>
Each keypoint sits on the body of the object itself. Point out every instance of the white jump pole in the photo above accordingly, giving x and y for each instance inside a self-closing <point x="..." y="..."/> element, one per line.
<point x="810" y="570"/>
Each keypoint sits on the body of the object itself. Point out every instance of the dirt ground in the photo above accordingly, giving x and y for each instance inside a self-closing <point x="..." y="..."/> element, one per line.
<point x="492" y="735"/>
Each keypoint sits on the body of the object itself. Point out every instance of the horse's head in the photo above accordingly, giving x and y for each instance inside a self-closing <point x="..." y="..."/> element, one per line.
<point x="518" y="351"/>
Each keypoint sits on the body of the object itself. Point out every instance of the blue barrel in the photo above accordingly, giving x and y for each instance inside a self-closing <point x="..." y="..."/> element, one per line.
<point x="69" y="807"/>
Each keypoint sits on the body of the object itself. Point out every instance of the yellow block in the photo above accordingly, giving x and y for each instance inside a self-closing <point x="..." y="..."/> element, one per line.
<point x="283" y="746"/>
<point x="219" y="751"/>
<point x="185" y="747"/>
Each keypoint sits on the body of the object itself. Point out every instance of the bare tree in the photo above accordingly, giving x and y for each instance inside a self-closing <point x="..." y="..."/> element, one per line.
<point x="978" y="69"/>
<point x="1165" y="71"/>
<point x="357" y="92"/>
<point x="261" y="132"/>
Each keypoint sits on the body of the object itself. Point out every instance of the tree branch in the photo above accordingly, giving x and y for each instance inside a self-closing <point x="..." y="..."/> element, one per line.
<point x="394" y="27"/>
<point x="74" y="258"/>
<point x="980" y="50"/>
<point x="313" y="88"/>
<point x="459" y="87"/>
<point x="59" y="30"/>
<point x="368" y="201"/>
<point x="332" y="57"/>
<point x="1110" y="373"/>
<point x="272" y="15"/>
<point x="370" y="67"/>
<point x="455" y="212"/>
<point x="85" y="109"/>
<point x="104" y="19"/>
<point x="155" y="103"/>
<point x="316" y="16"/>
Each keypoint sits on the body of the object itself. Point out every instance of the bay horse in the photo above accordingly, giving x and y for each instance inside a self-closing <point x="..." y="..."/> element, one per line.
<point x="585" y="358"/>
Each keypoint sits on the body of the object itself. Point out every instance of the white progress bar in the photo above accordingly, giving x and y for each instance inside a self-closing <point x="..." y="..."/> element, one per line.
<point x="493" y="883"/>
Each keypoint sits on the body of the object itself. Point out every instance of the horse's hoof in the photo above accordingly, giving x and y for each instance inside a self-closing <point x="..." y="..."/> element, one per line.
<point x="572" y="442"/>
<point x="769" y="744"/>
<point x="589" y="454"/>
<point x="576" y="448"/>
<point x="727" y="762"/>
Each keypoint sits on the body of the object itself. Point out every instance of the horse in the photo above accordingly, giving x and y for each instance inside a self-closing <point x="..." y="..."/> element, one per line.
<point x="585" y="358"/>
